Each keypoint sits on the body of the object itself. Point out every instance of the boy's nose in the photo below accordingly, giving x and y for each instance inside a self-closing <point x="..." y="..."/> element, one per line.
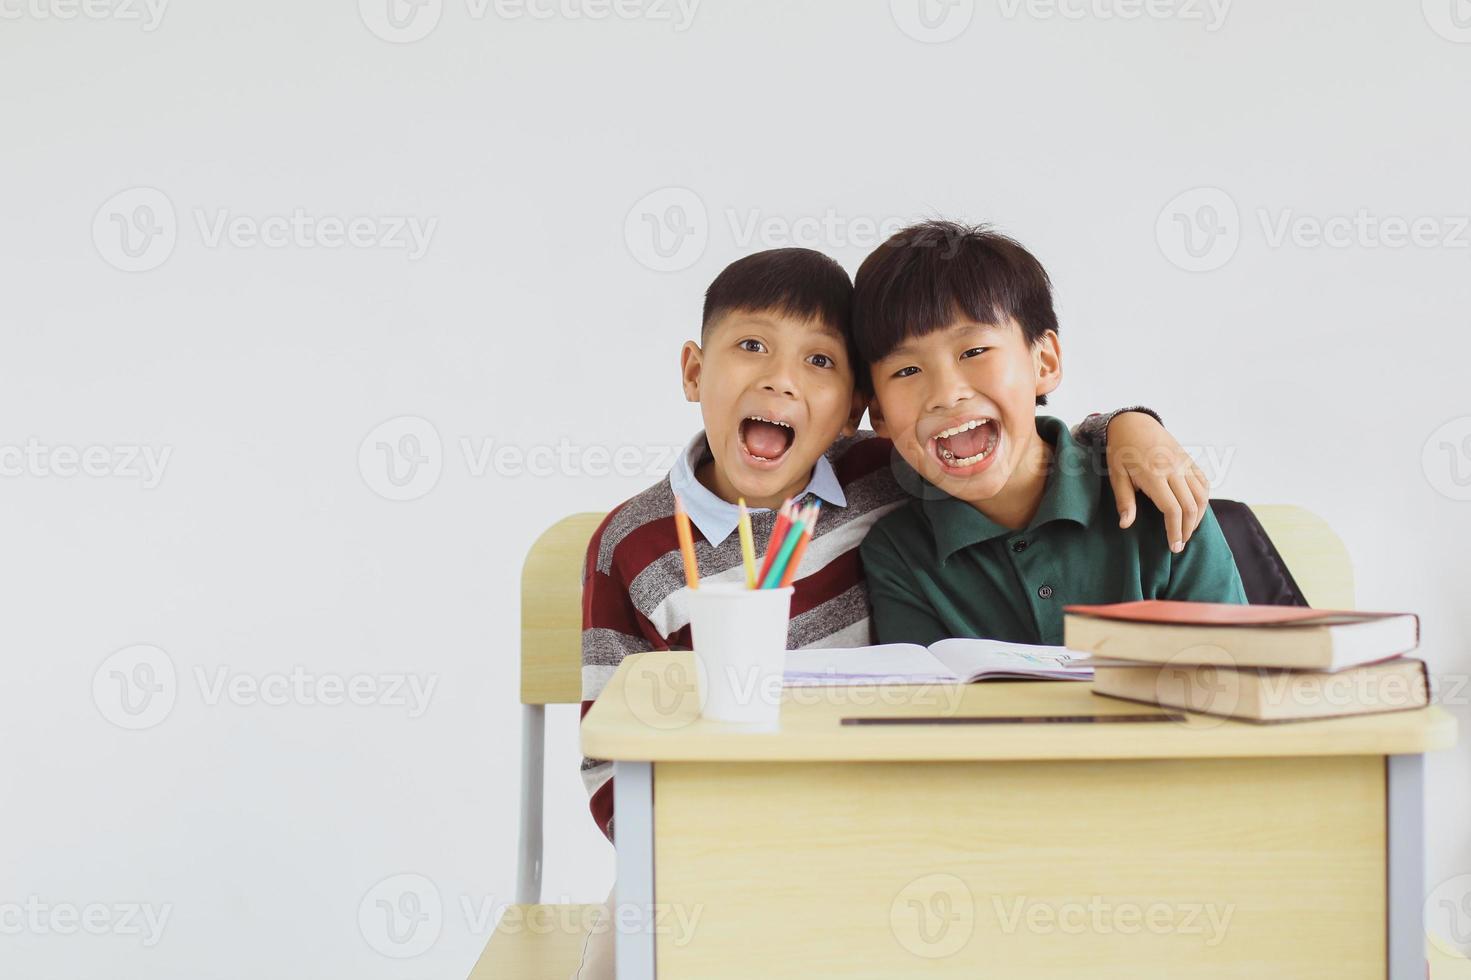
<point x="949" y="389"/>
<point x="780" y="380"/>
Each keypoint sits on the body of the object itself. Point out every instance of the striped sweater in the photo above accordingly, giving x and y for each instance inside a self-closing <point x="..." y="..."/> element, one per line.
<point x="633" y="599"/>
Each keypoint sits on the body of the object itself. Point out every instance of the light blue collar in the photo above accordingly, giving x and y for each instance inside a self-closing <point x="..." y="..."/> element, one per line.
<point x="716" y="518"/>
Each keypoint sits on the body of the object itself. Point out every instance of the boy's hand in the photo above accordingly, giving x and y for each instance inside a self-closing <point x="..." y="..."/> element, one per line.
<point x="1142" y="454"/>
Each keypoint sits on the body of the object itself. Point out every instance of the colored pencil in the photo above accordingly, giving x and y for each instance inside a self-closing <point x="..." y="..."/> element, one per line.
<point x="686" y="544"/>
<point x="783" y="557"/>
<point x="748" y="544"/>
<point x="808" y="526"/>
<point x="773" y="544"/>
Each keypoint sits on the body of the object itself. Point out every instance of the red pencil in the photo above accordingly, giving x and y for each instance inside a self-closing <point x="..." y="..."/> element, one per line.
<point x="773" y="544"/>
<point x="809" y="521"/>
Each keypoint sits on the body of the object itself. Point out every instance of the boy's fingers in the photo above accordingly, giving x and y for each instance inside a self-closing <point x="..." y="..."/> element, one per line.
<point x="1199" y="477"/>
<point x="1174" y="518"/>
<point x="1202" y="496"/>
<point x="1123" y="494"/>
<point x="1190" y="516"/>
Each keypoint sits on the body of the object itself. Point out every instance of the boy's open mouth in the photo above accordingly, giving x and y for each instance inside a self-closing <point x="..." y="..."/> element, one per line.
<point x="966" y="444"/>
<point x="766" y="440"/>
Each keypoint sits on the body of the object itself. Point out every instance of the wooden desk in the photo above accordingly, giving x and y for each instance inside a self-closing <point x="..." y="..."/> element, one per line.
<point x="1203" y="848"/>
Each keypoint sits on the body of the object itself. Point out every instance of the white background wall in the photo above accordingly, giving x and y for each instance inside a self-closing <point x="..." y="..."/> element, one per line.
<point x="538" y="317"/>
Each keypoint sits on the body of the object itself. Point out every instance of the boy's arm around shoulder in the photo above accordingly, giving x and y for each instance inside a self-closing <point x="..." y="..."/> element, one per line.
<point x="901" y="614"/>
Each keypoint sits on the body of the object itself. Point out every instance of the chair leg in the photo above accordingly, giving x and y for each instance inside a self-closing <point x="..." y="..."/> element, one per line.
<point x="529" y="846"/>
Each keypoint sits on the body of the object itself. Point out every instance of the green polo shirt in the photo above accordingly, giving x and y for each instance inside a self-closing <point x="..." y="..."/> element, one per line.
<point x="938" y="567"/>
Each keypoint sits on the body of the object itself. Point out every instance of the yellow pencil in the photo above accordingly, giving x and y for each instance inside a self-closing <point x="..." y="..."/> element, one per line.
<point x="748" y="544"/>
<point x="686" y="544"/>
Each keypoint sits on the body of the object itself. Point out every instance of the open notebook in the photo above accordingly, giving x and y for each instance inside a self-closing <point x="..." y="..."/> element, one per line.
<point x="956" y="661"/>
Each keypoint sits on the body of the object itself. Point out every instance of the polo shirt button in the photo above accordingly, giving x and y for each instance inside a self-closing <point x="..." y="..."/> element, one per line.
<point x="1019" y="546"/>
<point x="1045" y="592"/>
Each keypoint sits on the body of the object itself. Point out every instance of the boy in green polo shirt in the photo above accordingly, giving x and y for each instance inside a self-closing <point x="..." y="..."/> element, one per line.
<point x="1013" y="519"/>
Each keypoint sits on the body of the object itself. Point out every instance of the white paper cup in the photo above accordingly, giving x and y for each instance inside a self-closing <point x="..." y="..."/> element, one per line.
<point x="740" y="640"/>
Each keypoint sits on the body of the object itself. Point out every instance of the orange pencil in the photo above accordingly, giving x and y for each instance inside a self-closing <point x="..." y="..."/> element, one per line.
<point x="686" y="544"/>
<point x="809" y="521"/>
<point x="773" y="544"/>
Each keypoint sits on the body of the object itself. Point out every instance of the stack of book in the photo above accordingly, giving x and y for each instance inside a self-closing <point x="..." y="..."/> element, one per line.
<point x="1257" y="663"/>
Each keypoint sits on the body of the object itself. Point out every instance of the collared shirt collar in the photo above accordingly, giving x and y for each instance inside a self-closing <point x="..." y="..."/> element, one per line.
<point x="1071" y="494"/>
<point x="717" y="518"/>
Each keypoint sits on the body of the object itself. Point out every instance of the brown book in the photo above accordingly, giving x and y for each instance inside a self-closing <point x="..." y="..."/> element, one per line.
<point x="1266" y="694"/>
<point x="1168" y="632"/>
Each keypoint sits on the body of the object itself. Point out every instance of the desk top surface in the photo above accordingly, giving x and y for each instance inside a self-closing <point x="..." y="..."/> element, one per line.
<point x="649" y="711"/>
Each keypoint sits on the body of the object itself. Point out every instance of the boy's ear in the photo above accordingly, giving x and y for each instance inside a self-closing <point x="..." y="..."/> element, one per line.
<point x="876" y="416"/>
<point x="689" y="368"/>
<point x="1047" y="359"/>
<point x="855" y="413"/>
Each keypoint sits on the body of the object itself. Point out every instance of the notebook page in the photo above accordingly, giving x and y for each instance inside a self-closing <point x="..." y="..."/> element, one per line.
<point x="891" y="663"/>
<point x="977" y="659"/>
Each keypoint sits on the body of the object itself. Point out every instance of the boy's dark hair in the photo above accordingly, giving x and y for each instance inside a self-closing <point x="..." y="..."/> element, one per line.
<point x="798" y="282"/>
<point x="928" y="274"/>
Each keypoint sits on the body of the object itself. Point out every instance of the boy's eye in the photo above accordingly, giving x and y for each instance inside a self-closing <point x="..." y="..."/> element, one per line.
<point x="820" y="360"/>
<point x="752" y="346"/>
<point x="906" y="372"/>
<point x="973" y="352"/>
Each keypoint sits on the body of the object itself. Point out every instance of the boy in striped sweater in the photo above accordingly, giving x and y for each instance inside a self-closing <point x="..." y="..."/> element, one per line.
<point x="773" y="374"/>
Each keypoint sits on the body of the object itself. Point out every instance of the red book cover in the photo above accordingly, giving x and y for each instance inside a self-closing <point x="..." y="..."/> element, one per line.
<point x="1226" y="614"/>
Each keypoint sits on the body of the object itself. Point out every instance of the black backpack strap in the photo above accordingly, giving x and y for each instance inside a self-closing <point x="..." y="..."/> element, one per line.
<point x="1265" y="575"/>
